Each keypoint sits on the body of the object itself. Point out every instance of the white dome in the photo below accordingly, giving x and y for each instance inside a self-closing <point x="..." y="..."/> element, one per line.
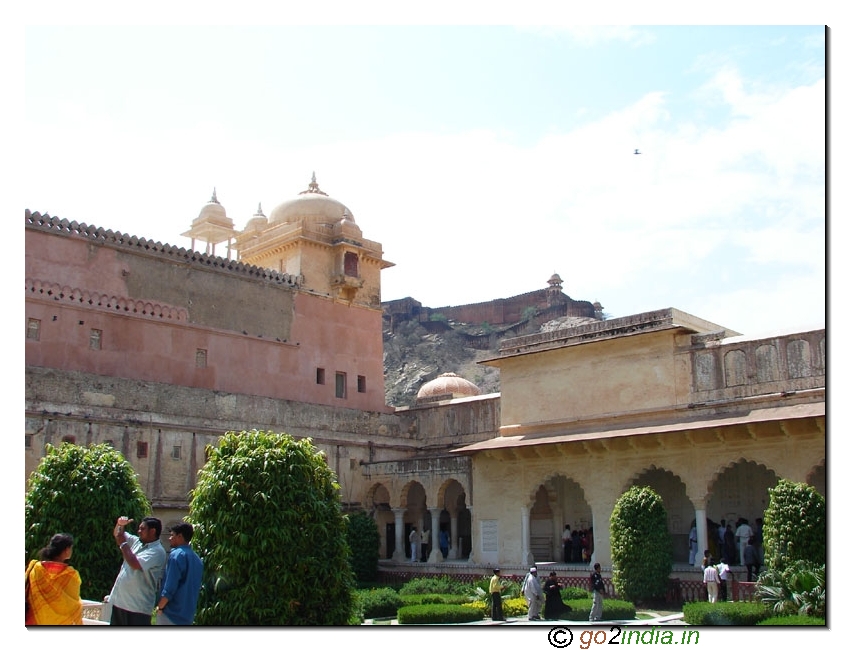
<point x="312" y="206"/>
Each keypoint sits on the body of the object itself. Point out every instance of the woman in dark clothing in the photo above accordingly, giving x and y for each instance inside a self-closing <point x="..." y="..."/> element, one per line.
<point x="554" y="608"/>
<point x="729" y="546"/>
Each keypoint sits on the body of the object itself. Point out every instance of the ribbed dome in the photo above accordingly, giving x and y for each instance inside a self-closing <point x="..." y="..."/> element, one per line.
<point x="311" y="205"/>
<point x="448" y="384"/>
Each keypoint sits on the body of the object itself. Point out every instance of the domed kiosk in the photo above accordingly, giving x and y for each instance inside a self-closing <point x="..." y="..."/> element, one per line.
<point x="212" y="226"/>
<point x="314" y="238"/>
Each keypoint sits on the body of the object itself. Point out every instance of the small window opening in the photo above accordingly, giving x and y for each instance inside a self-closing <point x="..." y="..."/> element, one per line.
<point x="340" y="385"/>
<point x="361" y="384"/>
<point x="320" y="376"/>
<point x="34" y="329"/>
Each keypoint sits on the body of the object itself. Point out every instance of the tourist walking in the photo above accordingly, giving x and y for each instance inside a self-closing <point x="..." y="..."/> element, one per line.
<point x="533" y="593"/>
<point x="597" y="588"/>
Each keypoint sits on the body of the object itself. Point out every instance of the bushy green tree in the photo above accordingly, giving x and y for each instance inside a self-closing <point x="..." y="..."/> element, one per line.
<point x="794" y="526"/>
<point x="641" y="549"/>
<point x="82" y="491"/>
<point x="270" y="530"/>
<point x="364" y="540"/>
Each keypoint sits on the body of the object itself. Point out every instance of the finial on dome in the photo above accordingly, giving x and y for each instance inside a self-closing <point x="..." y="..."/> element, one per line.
<point x="213" y="198"/>
<point x="259" y="210"/>
<point x="313" y="187"/>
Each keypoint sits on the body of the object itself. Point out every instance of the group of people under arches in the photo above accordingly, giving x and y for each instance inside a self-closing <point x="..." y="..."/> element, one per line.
<point x="578" y="545"/>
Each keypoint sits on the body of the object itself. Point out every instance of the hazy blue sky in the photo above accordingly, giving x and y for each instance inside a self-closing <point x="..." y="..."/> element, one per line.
<point x="483" y="158"/>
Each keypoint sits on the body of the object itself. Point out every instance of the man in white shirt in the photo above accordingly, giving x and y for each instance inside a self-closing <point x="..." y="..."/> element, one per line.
<point x="725" y="575"/>
<point x="742" y="536"/>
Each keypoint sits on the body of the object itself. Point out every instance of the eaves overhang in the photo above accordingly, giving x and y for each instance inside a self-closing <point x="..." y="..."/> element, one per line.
<point x="755" y="416"/>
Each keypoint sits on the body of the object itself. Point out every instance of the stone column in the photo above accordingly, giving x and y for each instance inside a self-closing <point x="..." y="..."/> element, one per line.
<point x="601" y="540"/>
<point x="398" y="553"/>
<point x="702" y="535"/>
<point x="435" y="557"/>
<point x="472" y="553"/>
<point x="527" y="557"/>
<point x="453" y="549"/>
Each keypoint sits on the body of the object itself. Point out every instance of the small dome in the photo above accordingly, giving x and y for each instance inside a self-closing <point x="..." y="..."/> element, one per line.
<point x="259" y="221"/>
<point x="447" y="386"/>
<point x="311" y="205"/>
<point x="213" y="212"/>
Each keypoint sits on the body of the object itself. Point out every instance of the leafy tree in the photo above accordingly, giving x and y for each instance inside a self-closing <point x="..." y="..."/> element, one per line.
<point x="641" y="549"/>
<point x="82" y="491"/>
<point x="270" y="530"/>
<point x="364" y="540"/>
<point x="794" y="526"/>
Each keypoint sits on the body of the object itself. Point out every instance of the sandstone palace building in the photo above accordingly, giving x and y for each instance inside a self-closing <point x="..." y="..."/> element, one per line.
<point x="159" y="350"/>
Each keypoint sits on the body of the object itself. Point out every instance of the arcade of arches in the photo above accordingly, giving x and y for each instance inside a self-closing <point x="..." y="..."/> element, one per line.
<point x="719" y="489"/>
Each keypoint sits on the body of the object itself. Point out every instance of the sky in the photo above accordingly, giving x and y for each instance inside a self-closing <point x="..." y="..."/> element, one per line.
<point x="484" y="158"/>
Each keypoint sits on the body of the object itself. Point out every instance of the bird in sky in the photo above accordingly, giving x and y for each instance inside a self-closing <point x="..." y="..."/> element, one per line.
<point x="637" y="152"/>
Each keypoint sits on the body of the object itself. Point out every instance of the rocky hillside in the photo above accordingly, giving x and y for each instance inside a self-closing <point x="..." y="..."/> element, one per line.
<point x="414" y="354"/>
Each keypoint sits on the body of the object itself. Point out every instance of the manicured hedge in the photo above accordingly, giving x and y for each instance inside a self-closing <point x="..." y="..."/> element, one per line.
<point x="612" y="609"/>
<point x="438" y="614"/>
<point x="794" y="620"/>
<point x="434" y="599"/>
<point x="703" y="613"/>
<point x="378" y="603"/>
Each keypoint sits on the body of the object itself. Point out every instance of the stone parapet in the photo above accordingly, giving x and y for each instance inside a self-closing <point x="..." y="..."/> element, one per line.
<point x="55" y="225"/>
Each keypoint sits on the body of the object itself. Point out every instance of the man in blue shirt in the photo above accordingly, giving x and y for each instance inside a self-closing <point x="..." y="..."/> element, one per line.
<point x="179" y="596"/>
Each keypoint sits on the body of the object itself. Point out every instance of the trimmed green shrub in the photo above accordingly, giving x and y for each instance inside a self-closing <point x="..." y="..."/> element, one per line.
<point x="794" y="526"/>
<point x="82" y="491"/>
<point x="794" y="621"/>
<point x="438" y="614"/>
<point x="798" y="590"/>
<point x="612" y="609"/>
<point x="378" y="603"/>
<point x="364" y="540"/>
<point x="738" y="613"/>
<point x="575" y="593"/>
<point x="641" y="548"/>
<point x="270" y="530"/>
<point x="438" y="585"/>
<point x="435" y="599"/>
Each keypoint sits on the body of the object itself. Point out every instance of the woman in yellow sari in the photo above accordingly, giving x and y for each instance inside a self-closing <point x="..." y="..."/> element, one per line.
<point x="53" y="587"/>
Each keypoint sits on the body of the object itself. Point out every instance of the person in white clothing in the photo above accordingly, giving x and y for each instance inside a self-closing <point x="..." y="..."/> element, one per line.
<point x="742" y="535"/>
<point x="533" y="592"/>
<point x="414" y="545"/>
<point x="712" y="581"/>
<point x="724" y="573"/>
